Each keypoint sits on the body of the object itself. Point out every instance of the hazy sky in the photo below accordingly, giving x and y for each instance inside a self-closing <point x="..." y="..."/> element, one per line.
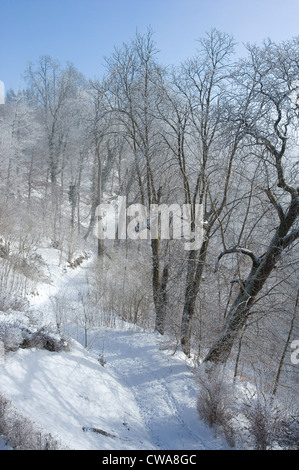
<point x="84" y="31"/>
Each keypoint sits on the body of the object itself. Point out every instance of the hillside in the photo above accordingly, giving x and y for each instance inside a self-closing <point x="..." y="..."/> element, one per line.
<point x="149" y="249"/>
<point x="141" y="395"/>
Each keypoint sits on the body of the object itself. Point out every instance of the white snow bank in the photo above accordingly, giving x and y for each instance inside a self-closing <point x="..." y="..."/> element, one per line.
<point x="143" y="398"/>
<point x="3" y="446"/>
<point x="64" y="392"/>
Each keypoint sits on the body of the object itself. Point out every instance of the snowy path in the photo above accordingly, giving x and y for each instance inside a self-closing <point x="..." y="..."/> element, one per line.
<point x="163" y="387"/>
<point x="144" y="397"/>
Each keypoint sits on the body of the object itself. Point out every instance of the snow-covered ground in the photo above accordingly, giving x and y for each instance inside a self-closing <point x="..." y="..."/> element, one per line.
<point x="3" y="446"/>
<point x="143" y="397"/>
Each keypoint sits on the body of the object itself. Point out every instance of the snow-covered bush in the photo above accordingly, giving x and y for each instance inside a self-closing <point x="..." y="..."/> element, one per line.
<point x="11" y="337"/>
<point x="14" y="334"/>
<point x="60" y="308"/>
<point x="4" y="404"/>
<point x="289" y="437"/>
<point x="31" y="267"/>
<point x="122" y="287"/>
<point x="43" y="339"/>
<point x="268" y="425"/>
<point x="216" y="400"/>
<point x="12" y="302"/>
<point x="244" y="416"/>
<point x="21" y="432"/>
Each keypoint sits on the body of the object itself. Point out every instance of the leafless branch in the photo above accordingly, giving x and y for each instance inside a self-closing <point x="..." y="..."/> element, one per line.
<point x="236" y="249"/>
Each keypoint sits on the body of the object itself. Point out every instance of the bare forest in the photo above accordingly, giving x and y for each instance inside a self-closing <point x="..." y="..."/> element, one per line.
<point x="219" y="131"/>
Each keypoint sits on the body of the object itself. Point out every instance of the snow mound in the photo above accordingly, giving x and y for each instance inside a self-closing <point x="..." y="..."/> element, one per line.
<point x="124" y="393"/>
<point x="70" y="395"/>
<point x="142" y="398"/>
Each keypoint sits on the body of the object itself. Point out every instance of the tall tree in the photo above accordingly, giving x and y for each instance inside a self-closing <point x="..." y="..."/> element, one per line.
<point x="270" y="123"/>
<point x="133" y="93"/>
<point x="204" y="150"/>
<point x="51" y="89"/>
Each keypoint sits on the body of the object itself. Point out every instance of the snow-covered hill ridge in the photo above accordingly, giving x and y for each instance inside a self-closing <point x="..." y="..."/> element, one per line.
<point x="143" y="397"/>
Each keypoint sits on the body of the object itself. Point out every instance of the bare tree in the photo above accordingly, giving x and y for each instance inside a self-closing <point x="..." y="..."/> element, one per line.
<point x="204" y="149"/>
<point x="270" y="123"/>
<point x="97" y="131"/>
<point x="134" y="98"/>
<point x="51" y="87"/>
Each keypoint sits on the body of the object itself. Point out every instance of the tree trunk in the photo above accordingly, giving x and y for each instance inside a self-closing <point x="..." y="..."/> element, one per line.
<point x="282" y="359"/>
<point x="235" y="321"/>
<point x="159" y="287"/>
<point x="99" y="201"/>
<point x="161" y="304"/>
<point x="196" y="264"/>
<point x="260" y="272"/>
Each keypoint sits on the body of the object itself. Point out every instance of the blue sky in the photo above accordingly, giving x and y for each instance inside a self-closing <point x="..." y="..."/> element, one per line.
<point x="84" y="31"/>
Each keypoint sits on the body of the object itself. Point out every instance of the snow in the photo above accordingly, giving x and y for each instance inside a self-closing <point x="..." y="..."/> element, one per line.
<point x="163" y="387"/>
<point x="3" y="445"/>
<point x="143" y="397"/>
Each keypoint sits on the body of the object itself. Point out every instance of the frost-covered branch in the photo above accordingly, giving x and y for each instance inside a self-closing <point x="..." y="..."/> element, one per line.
<point x="237" y="249"/>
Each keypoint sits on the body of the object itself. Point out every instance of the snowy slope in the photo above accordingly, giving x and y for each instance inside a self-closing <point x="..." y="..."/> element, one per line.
<point x="3" y="446"/>
<point x="163" y="387"/>
<point x="64" y="392"/>
<point x="142" y="398"/>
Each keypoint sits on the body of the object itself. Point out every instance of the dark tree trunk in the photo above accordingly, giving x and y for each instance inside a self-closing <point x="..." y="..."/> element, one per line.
<point x="196" y="264"/>
<point x="261" y="269"/>
<point x="159" y="287"/>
